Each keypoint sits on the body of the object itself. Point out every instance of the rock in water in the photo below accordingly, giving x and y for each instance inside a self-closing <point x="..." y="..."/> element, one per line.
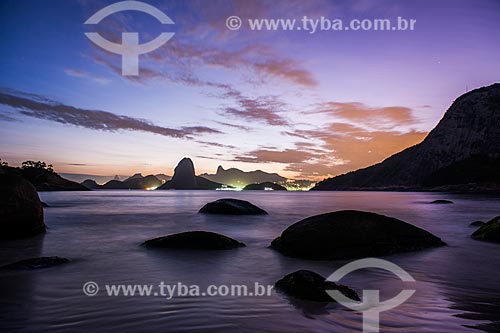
<point x="490" y="231"/>
<point x="351" y="234"/>
<point x="21" y="212"/>
<point x="196" y="240"/>
<point x="304" y="284"/>
<point x="477" y="224"/>
<point x="231" y="207"/>
<point x="36" y="263"/>
<point x="441" y="202"/>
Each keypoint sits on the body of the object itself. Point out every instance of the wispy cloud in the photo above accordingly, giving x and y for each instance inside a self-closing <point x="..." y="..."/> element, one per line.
<point x="42" y="108"/>
<point x="83" y="74"/>
<point x="361" y="114"/>
<point x="265" y="109"/>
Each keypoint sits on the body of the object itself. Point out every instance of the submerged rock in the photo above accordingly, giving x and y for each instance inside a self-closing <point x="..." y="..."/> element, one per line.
<point x="231" y="207"/>
<point x="21" y="211"/>
<point x="490" y="231"/>
<point x="36" y="263"/>
<point x="197" y="240"/>
<point x="441" y="202"/>
<point x="477" y="224"/>
<point x="304" y="284"/>
<point x="352" y="234"/>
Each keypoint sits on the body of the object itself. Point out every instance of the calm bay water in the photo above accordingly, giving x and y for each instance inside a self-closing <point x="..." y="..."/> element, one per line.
<point x="458" y="289"/>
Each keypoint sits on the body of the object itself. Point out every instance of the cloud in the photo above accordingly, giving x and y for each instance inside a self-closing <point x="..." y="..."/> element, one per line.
<point x="345" y="147"/>
<point x="84" y="74"/>
<point x="216" y="144"/>
<point x="276" y="156"/>
<point x="266" y="109"/>
<point x="42" y="108"/>
<point x="361" y="114"/>
<point x="240" y="127"/>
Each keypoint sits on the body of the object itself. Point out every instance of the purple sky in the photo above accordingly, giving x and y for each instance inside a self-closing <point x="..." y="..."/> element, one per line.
<point x="300" y="104"/>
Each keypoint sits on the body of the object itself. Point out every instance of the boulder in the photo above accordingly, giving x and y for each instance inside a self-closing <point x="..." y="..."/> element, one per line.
<point x="231" y="207"/>
<point x="490" y="231"/>
<point x="36" y="263"/>
<point x="352" y="234"/>
<point x="196" y="240"/>
<point x="21" y="211"/>
<point x="304" y="284"/>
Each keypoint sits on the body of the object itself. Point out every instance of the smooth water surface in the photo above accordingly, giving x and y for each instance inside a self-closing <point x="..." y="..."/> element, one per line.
<point x="458" y="286"/>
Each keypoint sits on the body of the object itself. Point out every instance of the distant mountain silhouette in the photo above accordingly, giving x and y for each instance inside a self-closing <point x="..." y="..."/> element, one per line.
<point x="239" y="178"/>
<point x="184" y="178"/>
<point x="264" y="186"/>
<point x="81" y="177"/>
<point x="135" y="182"/>
<point x="461" y="153"/>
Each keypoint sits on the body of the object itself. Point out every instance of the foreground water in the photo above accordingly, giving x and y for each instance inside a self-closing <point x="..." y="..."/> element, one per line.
<point x="458" y="289"/>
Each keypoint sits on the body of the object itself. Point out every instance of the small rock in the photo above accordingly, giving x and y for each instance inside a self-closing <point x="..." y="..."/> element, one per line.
<point x="196" y="240"/>
<point x="477" y="224"/>
<point x="441" y="202"/>
<point x="490" y="231"/>
<point x="308" y="285"/>
<point x="231" y="207"/>
<point x="36" y="263"/>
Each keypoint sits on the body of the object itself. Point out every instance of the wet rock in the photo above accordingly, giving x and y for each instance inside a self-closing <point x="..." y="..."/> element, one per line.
<point x="308" y="285"/>
<point x="36" y="263"/>
<point x="477" y="224"/>
<point x="352" y="234"/>
<point x="231" y="207"/>
<point x="21" y="211"/>
<point x="441" y="202"/>
<point x="197" y="240"/>
<point x="490" y="231"/>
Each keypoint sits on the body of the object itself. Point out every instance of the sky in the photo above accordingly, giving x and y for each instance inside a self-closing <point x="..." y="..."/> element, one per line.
<point x="306" y="105"/>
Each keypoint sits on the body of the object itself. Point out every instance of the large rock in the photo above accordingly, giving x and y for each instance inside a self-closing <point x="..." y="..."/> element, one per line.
<point x="463" y="148"/>
<point x="21" y="212"/>
<point x="304" y="284"/>
<point x="231" y="207"/>
<point x="264" y="186"/>
<point x="351" y="234"/>
<point x="196" y="240"/>
<point x="490" y="231"/>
